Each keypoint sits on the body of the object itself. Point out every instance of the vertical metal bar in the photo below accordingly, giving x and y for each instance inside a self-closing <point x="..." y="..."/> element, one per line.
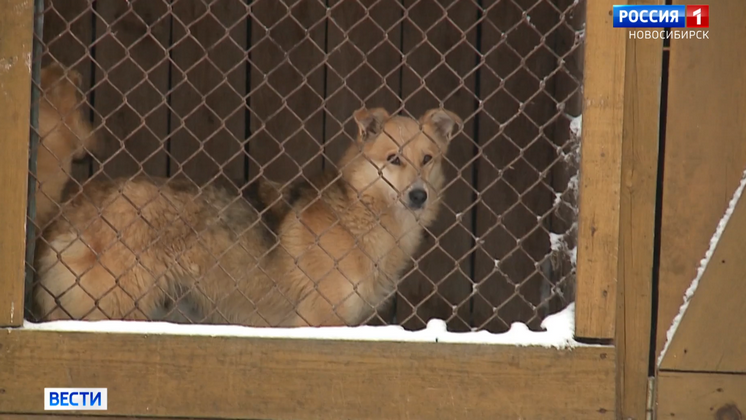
<point x="33" y="147"/>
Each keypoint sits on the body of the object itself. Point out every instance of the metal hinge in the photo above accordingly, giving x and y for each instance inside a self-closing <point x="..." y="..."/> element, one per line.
<point x="649" y="415"/>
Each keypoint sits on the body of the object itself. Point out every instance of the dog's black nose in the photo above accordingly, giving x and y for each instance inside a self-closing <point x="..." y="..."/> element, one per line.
<point x="417" y="197"/>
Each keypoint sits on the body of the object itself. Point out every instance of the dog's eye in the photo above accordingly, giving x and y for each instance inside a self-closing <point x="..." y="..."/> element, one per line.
<point x="426" y="159"/>
<point x="394" y="159"/>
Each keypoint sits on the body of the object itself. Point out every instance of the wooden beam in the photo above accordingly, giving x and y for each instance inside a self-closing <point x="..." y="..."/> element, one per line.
<point x="709" y="337"/>
<point x="80" y="417"/>
<point x="697" y="396"/>
<point x="637" y="221"/>
<point x="600" y="177"/>
<point x="232" y="377"/>
<point x="705" y="150"/>
<point x="16" y="43"/>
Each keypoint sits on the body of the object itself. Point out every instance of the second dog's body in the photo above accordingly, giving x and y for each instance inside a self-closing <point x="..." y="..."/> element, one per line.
<point x="320" y="253"/>
<point x="65" y="136"/>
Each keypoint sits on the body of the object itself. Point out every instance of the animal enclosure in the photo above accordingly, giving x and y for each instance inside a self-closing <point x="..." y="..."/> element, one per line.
<point x="229" y="92"/>
<point x="642" y="228"/>
<point x="204" y="94"/>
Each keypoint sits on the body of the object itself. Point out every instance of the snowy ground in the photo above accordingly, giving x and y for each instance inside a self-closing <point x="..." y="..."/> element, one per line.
<point x="559" y="330"/>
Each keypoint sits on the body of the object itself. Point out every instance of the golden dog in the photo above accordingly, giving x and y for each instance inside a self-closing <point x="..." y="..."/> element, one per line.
<point x="64" y="135"/>
<point x="324" y="252"/>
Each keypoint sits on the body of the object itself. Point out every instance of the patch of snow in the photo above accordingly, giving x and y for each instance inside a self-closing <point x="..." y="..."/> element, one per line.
<point x="702" y="265"/>
<point x="560" y="329"/>
<point x="573" y="183"/>
<point x="576" y="126"/>
<point x="556" y="241"/>
<point x="574" y="256"/>
<point x="557" y="199"/>
<point x="579" y="36"/>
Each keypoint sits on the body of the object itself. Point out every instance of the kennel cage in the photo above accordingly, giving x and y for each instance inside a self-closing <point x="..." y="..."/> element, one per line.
<point x="231" y="91"/>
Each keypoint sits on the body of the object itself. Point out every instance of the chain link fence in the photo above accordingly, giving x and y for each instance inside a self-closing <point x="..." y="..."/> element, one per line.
<point x="229" y="92"/>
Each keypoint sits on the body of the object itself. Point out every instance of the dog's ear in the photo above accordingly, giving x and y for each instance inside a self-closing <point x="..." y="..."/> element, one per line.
<point x="75" y="77"/>
<point x="370" y="122"/>
<point x="445" y="123"/>
<point x="51" y="75"/>
<point x="60" y="86"/>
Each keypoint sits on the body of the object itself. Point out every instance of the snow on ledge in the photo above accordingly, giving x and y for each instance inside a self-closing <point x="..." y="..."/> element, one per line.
<point x="702" y="265"/>
<point x="560" y="329"/>
<point x="576" y="125"/>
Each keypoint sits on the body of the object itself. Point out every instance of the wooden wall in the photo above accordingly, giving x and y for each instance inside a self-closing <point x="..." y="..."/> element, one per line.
<point x="235" y="90"/>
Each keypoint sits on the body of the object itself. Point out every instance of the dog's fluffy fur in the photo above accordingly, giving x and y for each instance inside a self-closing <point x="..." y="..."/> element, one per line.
<point x="290" y="257"/>
<point x="65" y="136"/>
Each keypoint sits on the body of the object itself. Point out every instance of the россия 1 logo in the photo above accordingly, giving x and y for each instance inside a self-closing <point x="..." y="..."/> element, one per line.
<point x="693" y="16"/>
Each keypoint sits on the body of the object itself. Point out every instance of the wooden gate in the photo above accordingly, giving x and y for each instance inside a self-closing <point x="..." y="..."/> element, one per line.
<point x="703" y="371"/>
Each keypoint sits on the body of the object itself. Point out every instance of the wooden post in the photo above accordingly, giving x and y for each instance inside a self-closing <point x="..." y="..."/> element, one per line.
<point x="600" y="174"/>
<point x="16" y="43"/>
<point x="637" y="220"/>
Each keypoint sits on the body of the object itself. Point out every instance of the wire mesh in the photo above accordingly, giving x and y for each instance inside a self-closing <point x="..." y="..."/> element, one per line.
<point x="193" y="97"/>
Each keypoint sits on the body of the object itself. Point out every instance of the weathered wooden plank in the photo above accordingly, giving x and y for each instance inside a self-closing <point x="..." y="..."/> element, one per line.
<point x="287" y="89"/>
<point x="214" y="377"/>
<point x="685" y="396"/>
<point x="364" y="67"/>
<point x="16" y="43"/>
<point x="709" y="337"/>
<point x="705" y="152"/>
<point x="131" y="80"/>
<point x="516" y="154"/>
<point x="73" y="417"/>
<point x="600" y="177"/>
<point x="439" y="286"/>
<point x="637" y="221"/>
<point x="565" y="87"/>
<point x="209" y="87"/>
<point x="69" y="417"/>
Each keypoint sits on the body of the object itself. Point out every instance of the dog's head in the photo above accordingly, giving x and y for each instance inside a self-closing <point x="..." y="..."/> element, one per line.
<point x="401" y="162"/>
<point x="64" y="130"/>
